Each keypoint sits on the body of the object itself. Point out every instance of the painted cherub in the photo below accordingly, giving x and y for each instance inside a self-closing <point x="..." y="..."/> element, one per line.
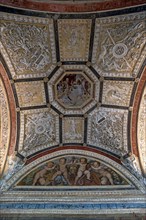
<point x="100" y="169"/>
<point x="82" y="170"/>
<point x="39" y="176"/>
<point x="62" y="170"/>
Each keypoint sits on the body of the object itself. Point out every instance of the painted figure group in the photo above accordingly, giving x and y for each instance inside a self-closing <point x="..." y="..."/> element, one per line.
<point x="73" y="89"/>
<point x="76" y="172"/>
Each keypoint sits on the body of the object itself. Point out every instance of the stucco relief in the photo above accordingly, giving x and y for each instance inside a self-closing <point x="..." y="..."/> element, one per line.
<point x="106" y="130"/>
<point x="4" y="126"/>
<point x="13" y="165"/>
<point x="30" y="93"/>
<point x="142" y="132"/>
<point x="29" y="43"/>
<point x="117" y="92"/>
<point x="39" y="130"/>
<point x="119" y="54"/>
<point x="132" y="163"/>
<point x="73" y="130"/>
<point x="74" y="34"/>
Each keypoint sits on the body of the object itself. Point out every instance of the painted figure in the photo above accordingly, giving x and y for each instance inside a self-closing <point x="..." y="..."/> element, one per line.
<point x="73" y="171"/>
<point x="99" y="169"/>
<point x="39" y="176"/>
<point x="73" y="132"/>
<point x="82" y="170"/>
<point x="62" y="170"/>
<point x="73" y="90"/>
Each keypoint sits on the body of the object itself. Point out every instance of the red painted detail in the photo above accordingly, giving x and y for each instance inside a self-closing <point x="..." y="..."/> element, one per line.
<point x="72" y="7"/>
<point x="137" y="100"/>
<point x="12" y="109"/>
<point x="85" y="148"/>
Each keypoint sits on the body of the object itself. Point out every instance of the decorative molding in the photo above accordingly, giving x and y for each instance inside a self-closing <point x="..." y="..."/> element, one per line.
<point x="136" y="104"/>
<point x="141" y="131"/>
<point x="4" y="126"/>
<point x="12" y="109"/>
<point x="85" y="6"/>
<point x="59" y="212"/>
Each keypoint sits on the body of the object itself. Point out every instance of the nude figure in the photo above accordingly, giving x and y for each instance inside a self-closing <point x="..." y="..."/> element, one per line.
<point x="40" y="174"/>
<point x="102" y="171"/>
<point x="82" y="170"/>
<point x="62" y="170"/>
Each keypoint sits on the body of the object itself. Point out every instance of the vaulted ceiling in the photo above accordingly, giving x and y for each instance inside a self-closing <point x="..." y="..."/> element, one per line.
<point x="73" y="100"/>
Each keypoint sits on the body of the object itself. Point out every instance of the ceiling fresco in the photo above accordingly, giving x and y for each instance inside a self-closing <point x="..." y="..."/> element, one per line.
<point x="74" y="80"/>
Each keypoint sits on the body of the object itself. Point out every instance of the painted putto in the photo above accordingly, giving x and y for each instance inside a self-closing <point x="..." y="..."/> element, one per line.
<point x="72" y="171"/>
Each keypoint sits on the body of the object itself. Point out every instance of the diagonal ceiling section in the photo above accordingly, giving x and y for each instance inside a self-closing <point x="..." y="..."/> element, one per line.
<point x="29" y="43"/>
<point x="114" y="53"/>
